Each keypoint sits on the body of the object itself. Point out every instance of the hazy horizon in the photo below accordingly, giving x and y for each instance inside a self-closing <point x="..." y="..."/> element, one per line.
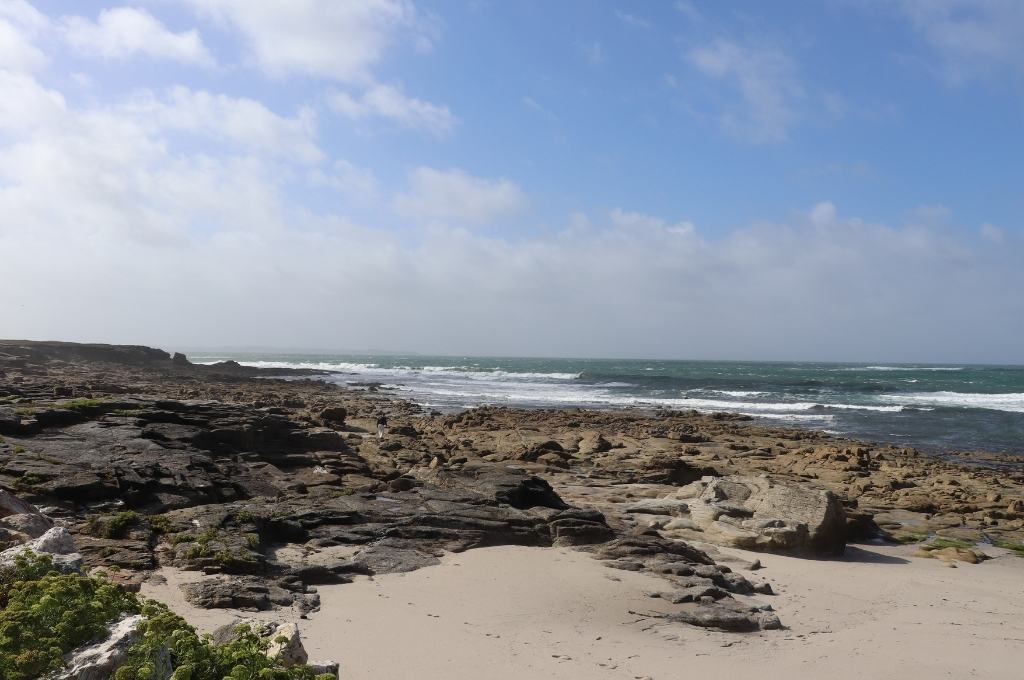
<point x="799" y="181"/>
<point x="192" y="351"/>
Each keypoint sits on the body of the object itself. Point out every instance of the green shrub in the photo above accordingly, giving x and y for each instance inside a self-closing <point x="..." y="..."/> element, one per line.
<point x="244" y="516"/>
<point x="196" y="658"/>
<point x="44" y="615"/>
<point x="27" y="481"/>
<point x="181" y="537"/>
<point x="79" y="404"/>
<point x="115" y="526"/>
<point x="160" y="524"/>
<point x="18" y="448"/>
<point x="198" y="550"/>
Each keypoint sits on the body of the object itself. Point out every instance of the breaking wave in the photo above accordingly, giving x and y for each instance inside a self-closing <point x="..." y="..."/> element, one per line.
<point x="908" y="368"/>
<point x="1012" y="401"/>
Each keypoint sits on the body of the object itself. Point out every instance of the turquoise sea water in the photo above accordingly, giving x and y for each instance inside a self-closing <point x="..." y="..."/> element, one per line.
<point x="933" y="407"/>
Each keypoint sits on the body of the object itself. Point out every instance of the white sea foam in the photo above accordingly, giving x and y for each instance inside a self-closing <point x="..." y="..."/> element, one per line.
<point x="794" y="417"/>
<point x="1010" y="401"/>
<point x="554" y="395"/>
<point x="377" y="370"/>
<point x="862" y="407"/>
<point x="488" y="373"/>
<point x="908" y="368"/>
<point x="458" y="385"/>
<point x="311" y="365"/>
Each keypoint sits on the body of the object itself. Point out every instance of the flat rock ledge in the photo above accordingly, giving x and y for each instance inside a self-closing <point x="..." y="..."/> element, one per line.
<point x="704" y="591"/>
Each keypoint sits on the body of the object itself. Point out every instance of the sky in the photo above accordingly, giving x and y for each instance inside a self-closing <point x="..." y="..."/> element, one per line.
<point x="794" y="180"/>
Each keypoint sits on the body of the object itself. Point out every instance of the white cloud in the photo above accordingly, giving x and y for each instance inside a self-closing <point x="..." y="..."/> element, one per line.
<point x="993" y="233"/>
<point x="972" y="38"/>
<point x="122" y="231"/>
<point x="765" y="80"/>
<point x="390" y="103"/>
<point x="244" y="123"/>
<point x="457" y="195"/>
<point x="632" y="20"/>
<point x="19" y="24"/>
<point x="823" y="214"/>
<point x="636" y="221"/>
<point x="686" y="8"/>
<point x="357" y="184"/>
<point x="593" y="52"/>
<point x="341" y="41"/>
<point x="125" y="31"/>
<point x="26" y="105"/>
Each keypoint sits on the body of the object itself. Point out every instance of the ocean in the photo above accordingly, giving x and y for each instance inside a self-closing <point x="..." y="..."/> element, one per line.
<point x="936" y="408"/>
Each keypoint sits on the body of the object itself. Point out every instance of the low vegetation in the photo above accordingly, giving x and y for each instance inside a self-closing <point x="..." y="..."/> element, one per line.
<point x="940" y="542"/>
<point x="45" y="614"/>
<point x="911" y="538"/>
<point x="80" y="404"/>
<point x="1016" y="546"/>
<point x="113" y="526"/>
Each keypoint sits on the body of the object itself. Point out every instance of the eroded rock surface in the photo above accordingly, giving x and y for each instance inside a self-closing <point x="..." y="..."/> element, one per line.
<point x="269" y="486"/>
<point x="759" y="513"/>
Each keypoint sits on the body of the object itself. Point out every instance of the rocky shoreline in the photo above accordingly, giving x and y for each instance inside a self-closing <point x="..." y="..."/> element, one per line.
<point x="270" y="483"/>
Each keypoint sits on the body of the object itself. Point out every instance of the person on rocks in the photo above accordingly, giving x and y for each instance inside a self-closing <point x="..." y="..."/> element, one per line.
<point x="382" y="423"/>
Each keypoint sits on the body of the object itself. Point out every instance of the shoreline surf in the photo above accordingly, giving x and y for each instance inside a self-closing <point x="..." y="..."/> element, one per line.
<point x="938" y="408"/>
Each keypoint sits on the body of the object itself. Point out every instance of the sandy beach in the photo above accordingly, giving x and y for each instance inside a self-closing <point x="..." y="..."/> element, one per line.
<point x="503" y="543"/>
<point x="513" y="612"/>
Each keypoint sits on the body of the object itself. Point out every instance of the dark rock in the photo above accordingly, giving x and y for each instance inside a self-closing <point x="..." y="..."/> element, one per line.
<point x="333" y="415"/>
<point x="236" y="593"/>
<point x="10" y="421"/>
<point x="735" y="618"/>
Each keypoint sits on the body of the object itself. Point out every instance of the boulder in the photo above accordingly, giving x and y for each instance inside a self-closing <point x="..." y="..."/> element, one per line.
<point x="727" y="615"/>
<point x="506" y="485"/>
<point x="285" y="643"/>
<point x="56" y="542"/>
<point x="593" y="442"/>
<point x="10" y="421"/>
<point x="99" y="660"/>
<point x="30" y="524"/>
<point x="333" y="415"/>
<point x="12" y="505"/>
<point x="286" y="646"/>
<point x="235" y="593"/>
<point x="665" y="468"/>
<point x="579" y="527"/>
<point x="758" y="513"/>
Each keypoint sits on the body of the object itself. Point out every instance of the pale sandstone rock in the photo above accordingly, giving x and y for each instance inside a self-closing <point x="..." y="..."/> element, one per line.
<point x="757" y="513"/>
